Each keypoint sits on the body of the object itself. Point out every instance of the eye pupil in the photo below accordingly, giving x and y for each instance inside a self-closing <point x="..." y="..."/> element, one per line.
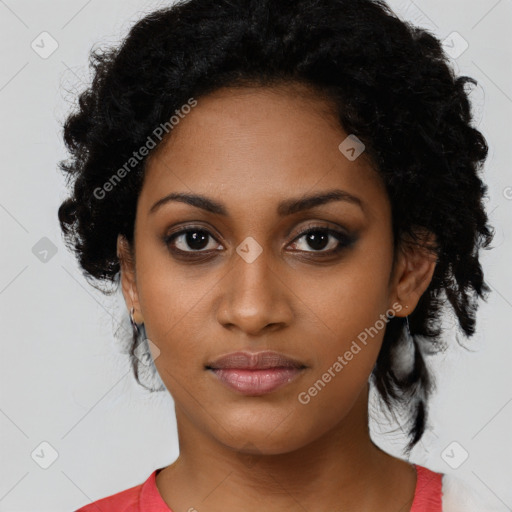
<point x="317" y="240"/>
<point x="196" y="239"/>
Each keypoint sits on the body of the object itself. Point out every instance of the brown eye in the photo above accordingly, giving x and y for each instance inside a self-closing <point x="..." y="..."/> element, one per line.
<point x="319" y="238"/>
<point x="191" y="240"/>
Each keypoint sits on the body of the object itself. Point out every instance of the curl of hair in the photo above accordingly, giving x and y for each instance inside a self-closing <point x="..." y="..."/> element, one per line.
<point x="390" y="84"/>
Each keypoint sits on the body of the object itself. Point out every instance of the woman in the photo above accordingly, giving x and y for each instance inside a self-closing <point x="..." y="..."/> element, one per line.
<point x="287" y="193"/>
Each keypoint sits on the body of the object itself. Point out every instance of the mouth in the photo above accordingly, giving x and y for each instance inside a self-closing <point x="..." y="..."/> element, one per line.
<point x="255" y="374"/>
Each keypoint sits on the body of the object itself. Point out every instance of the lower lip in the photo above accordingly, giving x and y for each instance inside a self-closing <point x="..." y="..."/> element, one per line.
<point x="256" y="382"/>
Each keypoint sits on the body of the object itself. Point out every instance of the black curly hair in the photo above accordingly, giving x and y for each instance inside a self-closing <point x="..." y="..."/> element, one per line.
<point x="392" y="86"/>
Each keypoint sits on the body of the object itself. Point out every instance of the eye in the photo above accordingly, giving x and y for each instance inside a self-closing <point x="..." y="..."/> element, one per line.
<point x="191" y="240"/>
<point x="319" y="238"/>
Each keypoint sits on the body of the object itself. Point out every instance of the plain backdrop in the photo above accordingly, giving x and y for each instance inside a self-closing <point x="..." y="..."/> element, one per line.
<point x="74" y="425"/>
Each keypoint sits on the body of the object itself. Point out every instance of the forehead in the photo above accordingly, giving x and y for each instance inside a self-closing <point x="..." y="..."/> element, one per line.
<point x="257" y="141"/>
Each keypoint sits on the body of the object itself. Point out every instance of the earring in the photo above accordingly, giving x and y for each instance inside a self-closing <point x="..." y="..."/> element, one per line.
<point x="134" y="325"/>
<point x="404" y="353"/>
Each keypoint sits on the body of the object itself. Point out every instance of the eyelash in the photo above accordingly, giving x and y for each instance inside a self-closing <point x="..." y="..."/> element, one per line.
<point x="343" y="239"/>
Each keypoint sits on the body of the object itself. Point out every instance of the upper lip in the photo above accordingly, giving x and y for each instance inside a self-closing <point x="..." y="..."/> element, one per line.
<point x="254" y="361"/>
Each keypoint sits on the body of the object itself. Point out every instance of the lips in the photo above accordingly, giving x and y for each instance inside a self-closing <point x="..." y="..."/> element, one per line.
<point x="255" y="374"/>
<point x="254" y="361"/>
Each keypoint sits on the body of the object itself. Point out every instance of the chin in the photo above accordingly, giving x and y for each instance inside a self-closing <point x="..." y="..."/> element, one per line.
<point x="267" y="438"/>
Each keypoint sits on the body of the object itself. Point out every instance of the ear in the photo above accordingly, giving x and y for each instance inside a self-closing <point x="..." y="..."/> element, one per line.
<point x="414" y="268"/>
<point x="128" y="282"/>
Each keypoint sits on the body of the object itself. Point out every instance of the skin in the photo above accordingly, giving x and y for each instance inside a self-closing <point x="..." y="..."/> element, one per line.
<point x="249" y="149"/>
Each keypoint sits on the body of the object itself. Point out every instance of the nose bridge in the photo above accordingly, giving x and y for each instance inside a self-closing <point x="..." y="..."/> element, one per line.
<point x="253" y="296"/>
<point x="252" y="270"/>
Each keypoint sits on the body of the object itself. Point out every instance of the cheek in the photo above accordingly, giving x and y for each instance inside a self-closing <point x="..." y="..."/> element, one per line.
<point x="352" y="327"/>
<point x="344" y="359"/>
<point x="348" y="310"/>
<point x="173" y="316"/>
<point x="351" y="296"/>
<point x="170" y="303"/>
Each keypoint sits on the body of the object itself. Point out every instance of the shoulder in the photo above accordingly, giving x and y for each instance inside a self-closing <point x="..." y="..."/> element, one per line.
<point x="428" y="493"/>
<point x="448" y="493"/>
<point x="125" y="501"/>
<point x="458" y="496"/>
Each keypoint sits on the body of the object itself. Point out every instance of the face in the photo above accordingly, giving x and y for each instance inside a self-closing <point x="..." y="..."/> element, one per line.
<point x="235" y="271"/>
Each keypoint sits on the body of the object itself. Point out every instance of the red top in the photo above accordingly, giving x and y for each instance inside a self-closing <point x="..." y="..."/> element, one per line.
<point x="146" y="498"/>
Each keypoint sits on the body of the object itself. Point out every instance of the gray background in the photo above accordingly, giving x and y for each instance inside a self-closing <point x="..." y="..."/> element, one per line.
<point x="64" y="380"/>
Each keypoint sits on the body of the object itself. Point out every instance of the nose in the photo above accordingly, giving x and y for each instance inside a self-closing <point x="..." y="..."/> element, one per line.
<point x="254" y="298"/>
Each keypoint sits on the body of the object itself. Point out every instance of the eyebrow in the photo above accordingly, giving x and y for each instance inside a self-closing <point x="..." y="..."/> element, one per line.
<point x="284" y="208"/>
